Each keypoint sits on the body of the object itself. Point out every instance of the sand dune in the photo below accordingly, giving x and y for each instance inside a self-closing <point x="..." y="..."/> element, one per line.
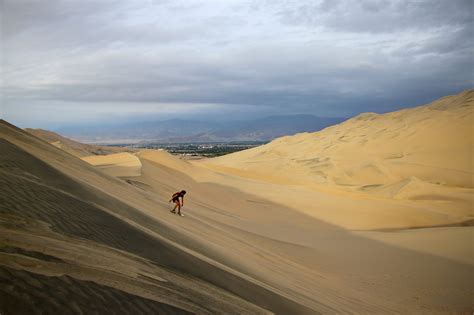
<point x="101" y="239"/>
<point x="422" y="158"/>
<point x="76" y="238"/>
<point x="118" y="164"/>
<point x="336" y="255"/>
<point x="433" y="143"/>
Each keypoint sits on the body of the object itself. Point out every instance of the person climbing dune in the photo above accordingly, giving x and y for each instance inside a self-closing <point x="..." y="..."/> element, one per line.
<point x="178" y="204"/>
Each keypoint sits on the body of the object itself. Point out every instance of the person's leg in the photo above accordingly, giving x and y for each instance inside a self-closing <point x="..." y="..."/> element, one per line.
<point x="179" y="207"/>
<point x="176" y="205"/>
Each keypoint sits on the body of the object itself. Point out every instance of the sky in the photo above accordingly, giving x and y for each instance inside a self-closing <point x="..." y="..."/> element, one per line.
<point x="66" y="62"/>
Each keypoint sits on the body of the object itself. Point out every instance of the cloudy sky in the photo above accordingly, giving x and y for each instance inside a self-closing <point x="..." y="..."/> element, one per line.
<point x="70" y="62"/>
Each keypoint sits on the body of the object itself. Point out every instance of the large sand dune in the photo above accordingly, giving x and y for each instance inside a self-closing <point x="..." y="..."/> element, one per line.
<point x="421" y="159"/>
<point x="433" y="143"/>
<point x="253" y="241"/>
<point x="56" y="226"/>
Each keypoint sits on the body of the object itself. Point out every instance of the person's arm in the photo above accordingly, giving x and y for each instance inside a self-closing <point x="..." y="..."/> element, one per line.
<point x="174" y="195"/>
<point x="182" y="201"/>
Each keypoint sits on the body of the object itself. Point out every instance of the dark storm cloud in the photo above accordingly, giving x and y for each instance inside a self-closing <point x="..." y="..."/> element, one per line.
<point x="321" y="57"/>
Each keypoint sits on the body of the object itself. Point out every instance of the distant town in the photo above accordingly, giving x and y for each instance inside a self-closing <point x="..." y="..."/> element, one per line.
<point x="198" y="150"/>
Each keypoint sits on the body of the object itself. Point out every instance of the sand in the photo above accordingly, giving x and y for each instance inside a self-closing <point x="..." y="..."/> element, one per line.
<point x="433" y="142"/>
<point x="255" y="239"/>
<point x="420" y="159"/>
<point x="118" y="164"/>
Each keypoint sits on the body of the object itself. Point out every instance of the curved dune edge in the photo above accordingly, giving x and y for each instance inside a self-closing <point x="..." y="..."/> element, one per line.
<point x="118" y="164"/>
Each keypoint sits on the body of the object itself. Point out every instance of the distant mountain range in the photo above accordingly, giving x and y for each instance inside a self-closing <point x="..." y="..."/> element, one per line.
<point x="179" y="130"/>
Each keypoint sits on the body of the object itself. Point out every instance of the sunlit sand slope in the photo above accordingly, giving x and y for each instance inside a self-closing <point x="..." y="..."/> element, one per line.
<point x="118" y="164"/>
<point x="409" y="266"/>
<point x="421" y="159"/>
<point x="432" y="143"/>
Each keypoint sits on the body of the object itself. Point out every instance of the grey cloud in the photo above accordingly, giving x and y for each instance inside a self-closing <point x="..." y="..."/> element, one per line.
<point x="377" y="16"/>
<point x="458" y="41"/>
<point x="329" y="58"/>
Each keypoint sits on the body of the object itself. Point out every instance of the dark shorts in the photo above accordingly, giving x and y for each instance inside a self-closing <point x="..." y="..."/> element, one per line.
<point x="176" y="199"/>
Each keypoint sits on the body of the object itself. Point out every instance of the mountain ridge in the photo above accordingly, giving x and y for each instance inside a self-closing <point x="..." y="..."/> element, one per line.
<point x="188" y="130"/>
